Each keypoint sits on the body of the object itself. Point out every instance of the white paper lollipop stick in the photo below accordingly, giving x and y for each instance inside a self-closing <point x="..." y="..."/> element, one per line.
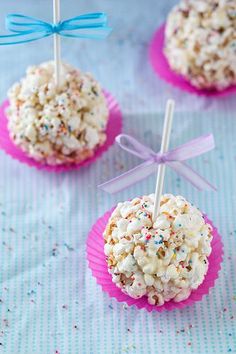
<point x="164" y="148"/>
<point x="57" y="41"/>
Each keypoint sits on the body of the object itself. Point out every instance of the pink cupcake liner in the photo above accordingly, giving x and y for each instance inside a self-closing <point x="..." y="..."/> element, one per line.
<point x="162" y="68"/>
<point x="97" y="264"/>
<point x="114" y="127"/>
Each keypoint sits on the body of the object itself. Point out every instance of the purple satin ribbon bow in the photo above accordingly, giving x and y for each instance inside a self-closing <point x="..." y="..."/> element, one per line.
<point x="174" y="158"/>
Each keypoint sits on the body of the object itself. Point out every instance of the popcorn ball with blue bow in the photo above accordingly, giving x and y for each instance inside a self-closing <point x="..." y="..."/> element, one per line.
<point x="57" y="115"/>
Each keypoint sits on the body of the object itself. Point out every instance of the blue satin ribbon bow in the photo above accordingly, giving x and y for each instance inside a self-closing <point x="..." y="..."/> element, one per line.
<point x="28" y="29"/>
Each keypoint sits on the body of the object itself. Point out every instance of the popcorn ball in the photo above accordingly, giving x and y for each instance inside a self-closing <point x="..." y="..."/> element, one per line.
<point x="200" y="42"/>
<point x="57" y="125"/>
<point x="163" y="260"/>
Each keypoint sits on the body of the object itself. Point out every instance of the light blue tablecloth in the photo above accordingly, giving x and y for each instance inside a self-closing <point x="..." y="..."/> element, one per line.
<point x="49" y="301"/>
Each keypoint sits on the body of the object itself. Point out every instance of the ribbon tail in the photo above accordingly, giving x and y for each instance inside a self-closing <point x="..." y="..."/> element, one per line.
<point x="191" y="149"/>
<point x="20" y="38"/>
<point x="190" y="175"/>
<point x="98" y="33"/>
<point x="91" y="26"/>
<point x="130" y="177"/>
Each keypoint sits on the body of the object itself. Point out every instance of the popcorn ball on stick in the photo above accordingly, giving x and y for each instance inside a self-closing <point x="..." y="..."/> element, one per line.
<point x="57" y="114"/>
<point x="157" y="246"/>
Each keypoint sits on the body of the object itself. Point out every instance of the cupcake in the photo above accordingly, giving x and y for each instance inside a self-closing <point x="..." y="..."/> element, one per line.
<point x="57" y="125"/>
<point x="162" y="260"/>
<point x="200" y="42"/>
